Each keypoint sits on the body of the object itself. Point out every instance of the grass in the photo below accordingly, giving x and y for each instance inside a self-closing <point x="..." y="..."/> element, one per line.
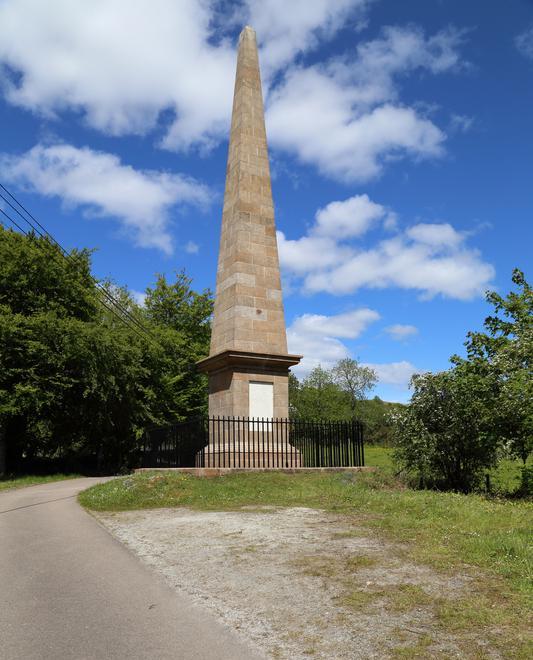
<point x="380" y="457"/>
<point x="33" y="480"/>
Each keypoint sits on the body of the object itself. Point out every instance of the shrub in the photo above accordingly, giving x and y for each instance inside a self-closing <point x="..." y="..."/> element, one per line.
<point x="443" y="438"/>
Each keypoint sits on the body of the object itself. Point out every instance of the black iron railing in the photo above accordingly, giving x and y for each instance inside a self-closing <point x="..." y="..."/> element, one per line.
<point x="246" y="442"/>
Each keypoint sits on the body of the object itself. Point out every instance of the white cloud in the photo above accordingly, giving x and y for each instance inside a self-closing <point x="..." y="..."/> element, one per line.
<point x="298" y="254"/>
<point x="524" y="43"/>
<point x="317" y="337"/>
<point x="192" y="248"/>
<point x="287" y="28"/>
<point x="432" y="258"/>
<point x="312" y="115"/>
<point x="344" y="117"/>
<point x="341" y="219"/>
<point x="347" y="325"/>
<point x="103" y="186"/>
<point x="394" y="373"/>
<point x="453" y="273"/>
<point x="121" y="65"/>
<point x="400" y="332"/>
<point x="435" y="235"/>
<point x="351" y="217"/>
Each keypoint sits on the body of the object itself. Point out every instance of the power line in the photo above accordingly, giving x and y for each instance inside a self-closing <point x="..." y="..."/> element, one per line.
<point x="113" y="302"/>
<point x="102" y="302"/>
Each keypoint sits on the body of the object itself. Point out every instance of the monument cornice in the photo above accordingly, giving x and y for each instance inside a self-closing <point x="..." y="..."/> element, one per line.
<point x="234" y="359"/>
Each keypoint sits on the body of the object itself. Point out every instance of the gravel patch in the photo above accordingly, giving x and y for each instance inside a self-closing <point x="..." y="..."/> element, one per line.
<point x="297" y="582"/>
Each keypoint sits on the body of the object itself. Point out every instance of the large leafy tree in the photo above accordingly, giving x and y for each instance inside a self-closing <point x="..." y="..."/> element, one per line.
<point x="176" y="305"/>
<point x="444" y="436"/>
<point x="460" y="421"/>
<point x="355" y="380"/>
<point x="78" y="379"/>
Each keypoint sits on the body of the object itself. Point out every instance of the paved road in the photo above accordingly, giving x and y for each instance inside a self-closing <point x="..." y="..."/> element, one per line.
<point x="68" y="590"/>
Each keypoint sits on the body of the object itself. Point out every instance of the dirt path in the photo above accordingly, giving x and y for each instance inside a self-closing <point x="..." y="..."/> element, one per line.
<point x="299" y="582"/>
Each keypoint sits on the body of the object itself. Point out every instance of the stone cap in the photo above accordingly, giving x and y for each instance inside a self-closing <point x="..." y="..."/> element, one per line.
<point x="240" y="359"/>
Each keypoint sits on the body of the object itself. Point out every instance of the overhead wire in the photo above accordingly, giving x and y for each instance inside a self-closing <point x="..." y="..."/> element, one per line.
<point x="66" y="254"/>
<point x="42" y="232"/>
<point x="102" y="302"/>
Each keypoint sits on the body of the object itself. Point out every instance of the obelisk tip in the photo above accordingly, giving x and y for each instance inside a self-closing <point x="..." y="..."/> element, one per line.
<point x="247" y="31"/>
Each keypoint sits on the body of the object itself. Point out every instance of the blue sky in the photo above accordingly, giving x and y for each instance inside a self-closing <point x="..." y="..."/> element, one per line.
<point x="401" y="148"/>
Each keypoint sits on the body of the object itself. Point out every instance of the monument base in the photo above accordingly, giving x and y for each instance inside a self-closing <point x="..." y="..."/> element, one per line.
<point x="241" y="457"/>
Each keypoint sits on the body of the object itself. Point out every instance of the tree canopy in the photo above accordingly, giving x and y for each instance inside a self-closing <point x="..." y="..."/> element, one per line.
<point x="77" y="379"/>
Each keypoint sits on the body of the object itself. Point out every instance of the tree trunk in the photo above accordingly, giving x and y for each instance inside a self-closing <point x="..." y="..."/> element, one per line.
<point x="3" y="451"/>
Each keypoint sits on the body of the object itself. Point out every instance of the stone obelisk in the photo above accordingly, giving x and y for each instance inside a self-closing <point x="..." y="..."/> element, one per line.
<point x="248" y="364"/>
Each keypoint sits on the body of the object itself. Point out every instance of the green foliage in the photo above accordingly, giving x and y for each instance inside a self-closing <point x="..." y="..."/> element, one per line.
<point x="378" y="419"/>
<point x="177" y="306"/>
<point x="75" y="380"/>
<point x="444" y="436"/>
<point x="526" y="481"/>
<point x="460" y="422"/>
<point x="317" y="397"/>
<point x="338" y="394"/>
<point x="35" y="278"/>
<point x="504" y="353"/>
<point x="354" y="380"/>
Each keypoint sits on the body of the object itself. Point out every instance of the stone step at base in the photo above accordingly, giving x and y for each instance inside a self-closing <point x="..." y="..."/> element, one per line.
<point x="267" y="459"/>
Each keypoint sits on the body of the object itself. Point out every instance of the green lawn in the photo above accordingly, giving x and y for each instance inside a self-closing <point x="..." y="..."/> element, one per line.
<point x="380" y="457"/>
<point x="32" y="480"/>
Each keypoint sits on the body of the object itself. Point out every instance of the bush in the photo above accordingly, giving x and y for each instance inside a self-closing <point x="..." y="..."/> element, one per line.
<point x="443" y="438"/>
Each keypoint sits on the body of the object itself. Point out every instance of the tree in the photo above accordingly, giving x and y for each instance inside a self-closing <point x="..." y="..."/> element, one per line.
<point x="317" y="397"/>
<point x="179" y="307"/>
<point x="444" y="436"/>
<point x="504" y="354"/>
<point x="354" y="379"/>
<point x="459" y="421"/>
<point x="378" y="419"/>
<point x="75" y="380"/>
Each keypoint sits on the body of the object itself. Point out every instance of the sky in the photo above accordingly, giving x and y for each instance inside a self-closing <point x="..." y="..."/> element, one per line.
<point x="400" y="140"/>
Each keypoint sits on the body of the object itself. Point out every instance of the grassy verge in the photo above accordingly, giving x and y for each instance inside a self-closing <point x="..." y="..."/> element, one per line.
<point x="32" y="480"/>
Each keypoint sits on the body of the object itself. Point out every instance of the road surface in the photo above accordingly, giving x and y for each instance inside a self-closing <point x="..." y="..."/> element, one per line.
<point x="68" y="590"/>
